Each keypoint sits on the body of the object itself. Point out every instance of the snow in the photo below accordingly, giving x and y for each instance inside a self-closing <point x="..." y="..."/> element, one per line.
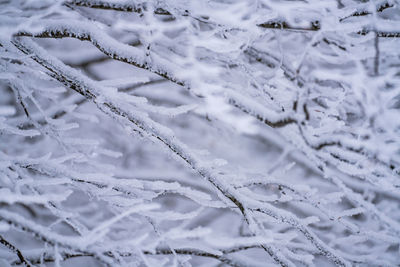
<point x="197" y="133"/>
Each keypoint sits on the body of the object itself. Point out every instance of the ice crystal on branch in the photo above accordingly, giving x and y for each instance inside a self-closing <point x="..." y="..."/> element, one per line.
<point x="199" y="133"/>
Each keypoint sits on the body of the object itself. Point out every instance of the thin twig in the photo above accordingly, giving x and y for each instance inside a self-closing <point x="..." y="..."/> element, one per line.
<point x="15" y="250"/>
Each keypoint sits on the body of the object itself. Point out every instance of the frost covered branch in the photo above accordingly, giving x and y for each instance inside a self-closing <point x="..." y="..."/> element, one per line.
<point x="175" y="133"/>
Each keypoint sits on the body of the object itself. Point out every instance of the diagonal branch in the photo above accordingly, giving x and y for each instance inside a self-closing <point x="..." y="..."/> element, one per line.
<point x="83" y="85"/>
<point x="15" y="250"/>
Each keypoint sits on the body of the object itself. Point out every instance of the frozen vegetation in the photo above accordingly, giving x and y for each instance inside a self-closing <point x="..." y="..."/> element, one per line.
<point x="199" y="133"/>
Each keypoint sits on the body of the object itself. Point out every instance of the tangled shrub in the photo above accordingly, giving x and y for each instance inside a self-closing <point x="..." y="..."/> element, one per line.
<point x="199" y="133"/>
